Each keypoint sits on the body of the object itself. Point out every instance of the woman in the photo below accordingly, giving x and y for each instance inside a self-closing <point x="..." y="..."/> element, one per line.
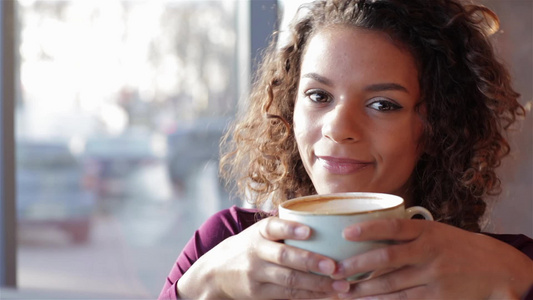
<point x="393" y="96"/>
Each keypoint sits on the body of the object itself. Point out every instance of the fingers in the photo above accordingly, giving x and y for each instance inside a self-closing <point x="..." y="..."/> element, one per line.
<point x="276" y="229"/>
<point x="289" y="271"/>
<point x="417" y="292"/>
<point x="295" y="258"/>
<point x="387" y="229"/>
<point x="415" y="252"/>
<point x="274" y="291"/>
<point x="293" y="284"/>
<point x="387" y="258"/>
<point x="393" y="283"/>
<point x="295" y="279"/>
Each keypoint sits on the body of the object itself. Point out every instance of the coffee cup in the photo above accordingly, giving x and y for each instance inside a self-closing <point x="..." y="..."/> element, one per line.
<point x="328" y="215"/>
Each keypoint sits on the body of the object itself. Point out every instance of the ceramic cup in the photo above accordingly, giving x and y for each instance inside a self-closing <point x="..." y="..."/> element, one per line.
<point x="328" y="215"/>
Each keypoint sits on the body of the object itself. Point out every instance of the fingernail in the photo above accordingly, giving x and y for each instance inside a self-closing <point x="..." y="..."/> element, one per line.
<point x="340" y="269"/>
<point x="326" y="267"/>
<point x="302" y="231"/>
<point x="351" y="232"/>
<point x="341" y="286"/>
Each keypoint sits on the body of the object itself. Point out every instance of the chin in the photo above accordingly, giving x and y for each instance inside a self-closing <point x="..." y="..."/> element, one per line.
<point x="338" y="189"/>
<point x="346" y="188"/>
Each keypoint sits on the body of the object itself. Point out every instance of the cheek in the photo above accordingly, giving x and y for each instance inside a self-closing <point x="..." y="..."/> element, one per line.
<point x="414" y="149"/>
<point x="298" y="114"/>
<point x="403" y="142"/>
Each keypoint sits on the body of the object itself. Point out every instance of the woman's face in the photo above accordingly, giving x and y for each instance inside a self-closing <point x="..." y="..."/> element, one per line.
<point x="354" y="118"/>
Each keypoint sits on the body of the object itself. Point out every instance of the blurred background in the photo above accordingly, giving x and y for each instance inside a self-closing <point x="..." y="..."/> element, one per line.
<point x="120" y="105"/>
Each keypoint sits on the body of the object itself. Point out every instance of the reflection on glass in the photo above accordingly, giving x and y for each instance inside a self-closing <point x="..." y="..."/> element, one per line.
<point x="121" y="107"/>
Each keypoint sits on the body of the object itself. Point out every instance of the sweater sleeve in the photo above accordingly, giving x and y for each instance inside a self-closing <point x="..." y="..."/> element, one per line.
<point x="217" y="228"/>
<point x="519" y="241"/>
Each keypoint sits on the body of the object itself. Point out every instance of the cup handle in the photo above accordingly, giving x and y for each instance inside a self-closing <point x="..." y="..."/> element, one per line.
<point x="418" y="210"/>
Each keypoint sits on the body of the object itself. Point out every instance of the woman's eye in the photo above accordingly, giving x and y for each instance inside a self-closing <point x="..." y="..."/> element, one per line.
<point x="318" y="96"/>
<point x="384" y="105"/>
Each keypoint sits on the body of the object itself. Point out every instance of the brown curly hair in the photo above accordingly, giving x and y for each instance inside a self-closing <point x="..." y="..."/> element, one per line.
<point x="466" y="92"/>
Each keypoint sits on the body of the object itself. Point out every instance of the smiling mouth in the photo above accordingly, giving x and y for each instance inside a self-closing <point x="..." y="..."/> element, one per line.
<point x="342" y="166"/>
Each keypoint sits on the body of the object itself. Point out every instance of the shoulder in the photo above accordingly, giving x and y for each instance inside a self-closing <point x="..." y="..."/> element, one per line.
<point x="215" y="229"/>
<point x="222" y="225"/>
<point x="228" y="222"/>
<point x="519" y="241"/>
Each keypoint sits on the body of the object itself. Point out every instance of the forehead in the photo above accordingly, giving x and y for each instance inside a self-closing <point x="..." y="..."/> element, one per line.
<point x="360" y="52"/>
<point x="350" y="37"/>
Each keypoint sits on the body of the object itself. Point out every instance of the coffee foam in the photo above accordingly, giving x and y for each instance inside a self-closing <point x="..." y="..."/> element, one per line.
<point x="342" y="206"/>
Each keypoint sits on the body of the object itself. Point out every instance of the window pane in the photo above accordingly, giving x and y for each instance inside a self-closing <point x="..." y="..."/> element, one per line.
<point x="121" y="107"/>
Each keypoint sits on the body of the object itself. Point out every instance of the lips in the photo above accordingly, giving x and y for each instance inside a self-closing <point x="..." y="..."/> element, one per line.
<point x="342" y="166"/>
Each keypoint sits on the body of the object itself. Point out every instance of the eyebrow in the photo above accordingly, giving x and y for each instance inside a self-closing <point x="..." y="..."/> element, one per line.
<point x="389" y="86"/>
<point x="318" y="78"/>
<point x="378" y="87"/>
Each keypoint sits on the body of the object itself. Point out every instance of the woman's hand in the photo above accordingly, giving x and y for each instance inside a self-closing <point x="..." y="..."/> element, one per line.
<point x="435" y="261"/>
<point x="254" y="264"/>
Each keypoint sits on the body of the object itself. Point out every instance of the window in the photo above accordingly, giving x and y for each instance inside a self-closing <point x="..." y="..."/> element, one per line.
<point x="119" y="111"/>
<point x="121" y="106"/>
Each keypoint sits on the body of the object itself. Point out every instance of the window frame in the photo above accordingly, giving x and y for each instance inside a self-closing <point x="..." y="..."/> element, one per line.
<point x="8" y="223"/>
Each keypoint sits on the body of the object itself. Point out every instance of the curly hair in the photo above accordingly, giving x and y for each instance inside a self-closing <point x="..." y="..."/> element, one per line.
<point x="466" y="92"/>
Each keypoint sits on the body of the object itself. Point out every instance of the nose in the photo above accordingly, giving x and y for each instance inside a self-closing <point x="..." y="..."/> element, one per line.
<point x="342" y="125"/>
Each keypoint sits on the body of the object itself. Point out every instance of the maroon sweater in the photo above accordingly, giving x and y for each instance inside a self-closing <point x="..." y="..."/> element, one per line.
<point x="232" y="221"/>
